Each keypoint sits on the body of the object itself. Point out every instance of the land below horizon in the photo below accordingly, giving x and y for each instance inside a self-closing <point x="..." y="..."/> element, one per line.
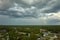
<point x="29" y="32"/>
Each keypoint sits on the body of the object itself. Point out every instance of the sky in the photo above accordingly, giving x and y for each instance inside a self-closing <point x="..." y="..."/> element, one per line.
<point x="29" y="12"/>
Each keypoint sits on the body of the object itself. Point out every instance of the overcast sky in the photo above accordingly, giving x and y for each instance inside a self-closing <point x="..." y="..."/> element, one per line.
<point x="29" y="12"/>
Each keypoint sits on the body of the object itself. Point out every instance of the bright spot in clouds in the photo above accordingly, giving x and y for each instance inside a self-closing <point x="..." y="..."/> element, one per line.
<point x="57" y="14"/>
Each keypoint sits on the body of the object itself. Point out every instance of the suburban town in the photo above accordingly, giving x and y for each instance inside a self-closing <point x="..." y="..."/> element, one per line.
<point x="27" y="33"/>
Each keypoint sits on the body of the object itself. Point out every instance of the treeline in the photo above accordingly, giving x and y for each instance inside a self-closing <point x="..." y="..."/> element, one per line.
<point x="54" y="28"/>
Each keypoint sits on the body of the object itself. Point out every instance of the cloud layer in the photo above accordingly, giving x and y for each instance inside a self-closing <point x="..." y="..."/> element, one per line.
<point x="26" y="10"/>
<point x="46" y="10"/>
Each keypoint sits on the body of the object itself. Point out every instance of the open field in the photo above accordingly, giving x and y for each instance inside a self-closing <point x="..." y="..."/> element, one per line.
<point x="30" y="32"/>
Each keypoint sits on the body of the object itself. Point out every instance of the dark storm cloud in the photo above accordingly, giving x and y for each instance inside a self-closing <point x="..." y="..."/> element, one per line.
<point x="15" y="15"/>
<point x="25" y="8"/>
<point x="54" y="8"/>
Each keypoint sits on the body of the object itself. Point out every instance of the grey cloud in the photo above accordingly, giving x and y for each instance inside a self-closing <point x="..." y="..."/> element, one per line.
<point x="51" y="6"/>
<point x="5" y="4"/>
<point x="16" y="15"/>
<point x="40" y="11"/>
<point x="6" y="20"/>
<point x="53" y="21"/>
<point x="21" y="9"/>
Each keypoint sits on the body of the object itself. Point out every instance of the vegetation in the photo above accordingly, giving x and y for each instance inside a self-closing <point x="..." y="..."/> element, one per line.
<point x="28" y="32"/>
